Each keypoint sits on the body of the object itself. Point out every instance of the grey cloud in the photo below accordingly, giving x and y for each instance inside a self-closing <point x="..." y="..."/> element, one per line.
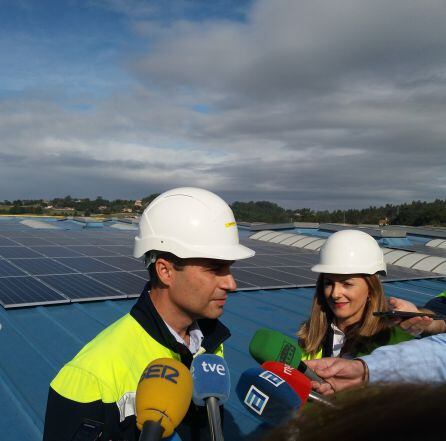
<point x="291" y="47"/>
<point x="312" y="103"/>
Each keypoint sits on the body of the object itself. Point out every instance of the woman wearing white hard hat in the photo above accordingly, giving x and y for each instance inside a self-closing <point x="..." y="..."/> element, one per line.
<point x="348" y="291"/>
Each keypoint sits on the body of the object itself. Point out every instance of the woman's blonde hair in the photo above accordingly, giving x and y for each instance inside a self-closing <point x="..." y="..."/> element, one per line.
<point x="312" y="332"/>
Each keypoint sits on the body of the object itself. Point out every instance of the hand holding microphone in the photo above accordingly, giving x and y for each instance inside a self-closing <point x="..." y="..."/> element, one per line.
<point x="162" y="398"/>
<point x="298" y="382"/>
<point x="212" y="385"/>
<point x="270" y="345"/>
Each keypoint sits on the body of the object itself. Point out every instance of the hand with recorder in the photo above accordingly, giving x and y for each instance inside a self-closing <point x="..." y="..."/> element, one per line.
<point x="415" y="320"/>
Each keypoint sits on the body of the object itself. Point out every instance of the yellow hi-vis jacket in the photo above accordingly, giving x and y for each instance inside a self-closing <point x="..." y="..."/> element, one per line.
<point x="100" y="382"/>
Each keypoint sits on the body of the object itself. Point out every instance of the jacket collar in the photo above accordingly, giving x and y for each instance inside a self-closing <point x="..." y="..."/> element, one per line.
<point x="145" y="313"/>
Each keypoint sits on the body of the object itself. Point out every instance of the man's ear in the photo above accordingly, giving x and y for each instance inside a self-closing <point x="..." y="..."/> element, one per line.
<point x="164" y="270"/>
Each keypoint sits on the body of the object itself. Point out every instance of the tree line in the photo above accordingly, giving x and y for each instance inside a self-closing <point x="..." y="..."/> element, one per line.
<point x="70" y="206"/>
<point x="415" y="213"/>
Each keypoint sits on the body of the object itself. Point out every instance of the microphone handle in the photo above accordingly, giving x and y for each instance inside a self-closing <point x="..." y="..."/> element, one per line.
<point x="309" y="372"/>
<point x="151" y="431"/>
<point x="213" y="410"/>
<point x="314" y="396"/>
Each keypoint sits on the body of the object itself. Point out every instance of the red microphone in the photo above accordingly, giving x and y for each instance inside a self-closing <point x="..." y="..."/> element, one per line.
<point x="299" y="382"/>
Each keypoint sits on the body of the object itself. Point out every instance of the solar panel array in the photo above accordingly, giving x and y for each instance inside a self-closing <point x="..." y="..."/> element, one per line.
<point x="61" y="266"/>
<point x="281" y="266"/>
<point x="39" y="266"/>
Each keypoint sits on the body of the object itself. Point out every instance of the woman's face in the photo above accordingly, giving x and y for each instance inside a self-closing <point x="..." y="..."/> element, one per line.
<point x="346" y="295"/>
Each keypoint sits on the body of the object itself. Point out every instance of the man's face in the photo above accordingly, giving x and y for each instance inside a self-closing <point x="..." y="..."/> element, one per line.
<point x="200" y="288"/>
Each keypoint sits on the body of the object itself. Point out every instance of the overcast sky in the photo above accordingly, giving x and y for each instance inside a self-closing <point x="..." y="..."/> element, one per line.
<point x="309" y="103"/>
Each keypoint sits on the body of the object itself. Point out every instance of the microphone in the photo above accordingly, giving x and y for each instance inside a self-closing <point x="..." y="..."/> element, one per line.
<point x="267" y="396"/>
<point x="298" y="382"/>
<point x="162" y="398"/>
<point x="270" y="345"/>
<point x="212" y="386"/>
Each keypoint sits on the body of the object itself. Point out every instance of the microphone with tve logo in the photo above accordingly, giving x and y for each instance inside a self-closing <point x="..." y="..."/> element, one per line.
<point x="267" y="396"/>
<point x="212" y="385"/>
<point x="162" y="398"/>
<point x="270" y="345"/>
<point x="297" y="380"/>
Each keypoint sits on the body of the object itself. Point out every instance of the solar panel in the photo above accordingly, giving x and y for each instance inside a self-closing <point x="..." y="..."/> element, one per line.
<point x="123" y="263"/>
<point x="288" y="278"/>
<point x="125" y="282"/>
<point x="303" y="272"/>
<point x="27" y="291"/>
<point x="257" y="280"/>
<point x="398" y="272"/>
<point x="85" y="264"/>
<point x="91" y="250"/>
<point x="124" y="250"/>
<point x="97" y="241"/>
<point x="17" y="252"/>
<point x="70" y="241"/>
<point x="30" y="241"/>
<point x="244" y="285"/>
<point x="141" y="273"/>
<point x="7" y="269"/>
<point x="42" y="266"/>
<point x="56" y="251"/>
<point x="4" y="242"/>
<point x="80" y="287"/>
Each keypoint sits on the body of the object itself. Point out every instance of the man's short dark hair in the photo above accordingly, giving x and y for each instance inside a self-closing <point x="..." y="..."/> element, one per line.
<point x="176" y="261"/>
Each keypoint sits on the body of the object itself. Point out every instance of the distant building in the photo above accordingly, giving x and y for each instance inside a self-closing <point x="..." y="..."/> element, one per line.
<point x="127" y="210"/>
<point x="60" y="210"/>
<point x="138" y="203"/>
<point x="102" y="207"/>
<point x="383" y="222"/>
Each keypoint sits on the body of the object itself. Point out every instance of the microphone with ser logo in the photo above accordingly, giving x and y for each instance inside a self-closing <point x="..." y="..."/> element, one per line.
<point x="162" y="399"/>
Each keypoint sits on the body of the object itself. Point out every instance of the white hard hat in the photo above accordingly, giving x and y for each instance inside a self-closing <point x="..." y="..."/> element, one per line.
<point x="350" y="252"/>
<point x="190" y="222"/>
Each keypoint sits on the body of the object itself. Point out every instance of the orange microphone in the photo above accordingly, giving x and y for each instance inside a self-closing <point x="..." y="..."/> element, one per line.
<point x="163" y="397"/>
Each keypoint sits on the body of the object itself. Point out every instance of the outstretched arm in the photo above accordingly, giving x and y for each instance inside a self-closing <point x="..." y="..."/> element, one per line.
<point x="415" y="361"/>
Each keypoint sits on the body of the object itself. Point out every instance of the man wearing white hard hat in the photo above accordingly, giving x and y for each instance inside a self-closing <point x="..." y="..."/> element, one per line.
<point x="188" y="238"/>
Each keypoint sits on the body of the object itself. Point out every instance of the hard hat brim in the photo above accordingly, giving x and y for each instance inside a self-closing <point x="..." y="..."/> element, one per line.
<point x="330" y="269"/>
<point x="230" y="252"/>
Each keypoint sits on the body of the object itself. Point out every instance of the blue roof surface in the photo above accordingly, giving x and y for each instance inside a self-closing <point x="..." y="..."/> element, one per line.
<point x="36" y="342"/>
